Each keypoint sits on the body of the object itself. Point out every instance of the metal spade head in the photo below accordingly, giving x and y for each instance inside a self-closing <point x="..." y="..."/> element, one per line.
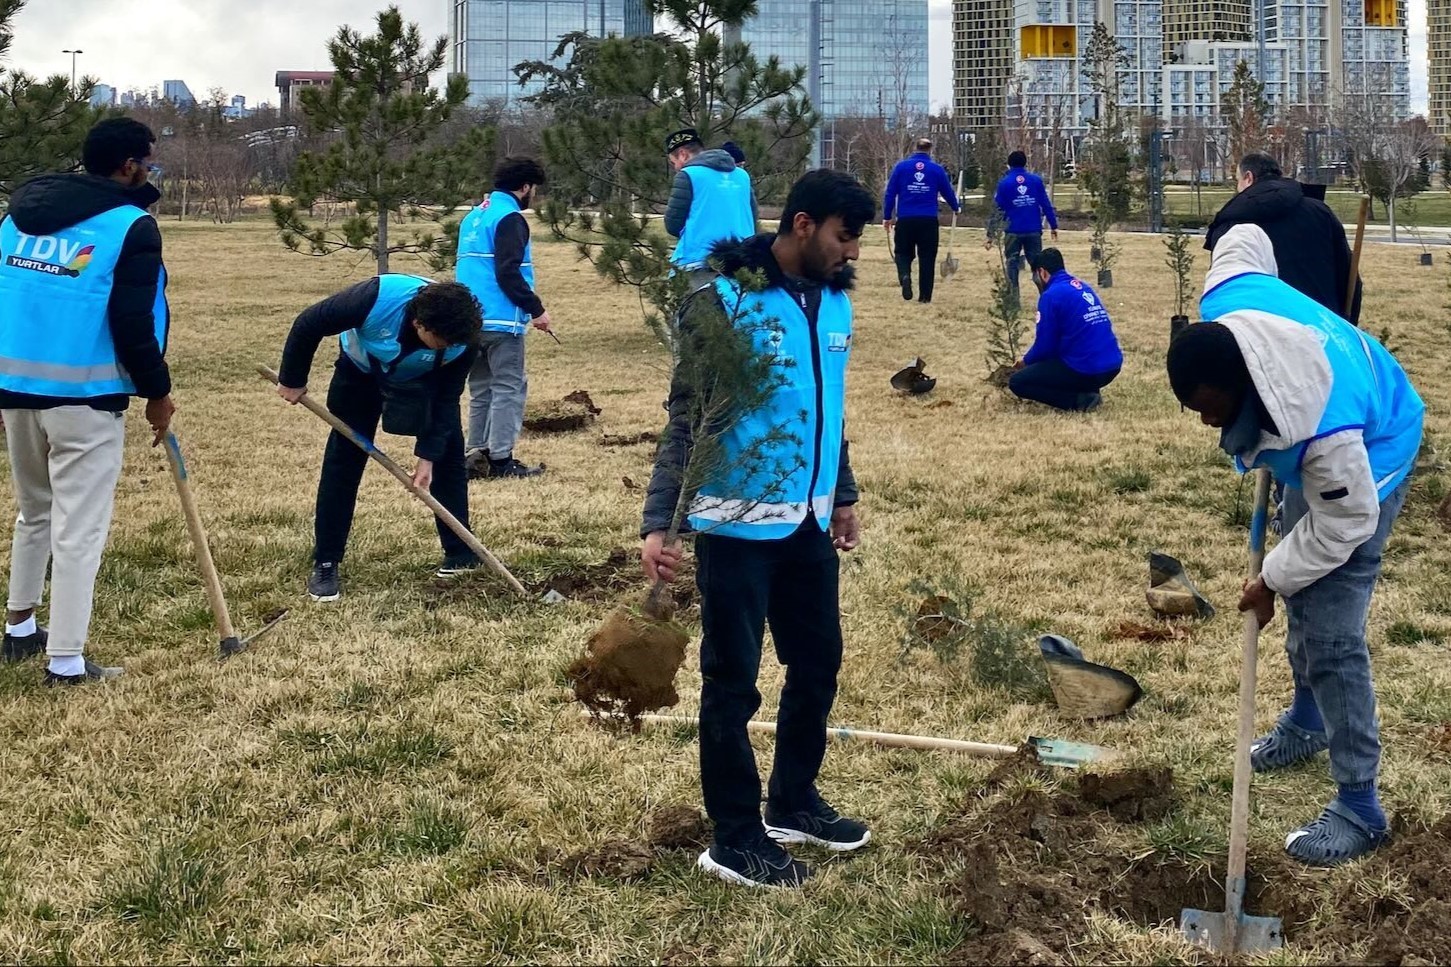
<point x="949" y="266"/>
<point x="1223" y="933"/>
<point x="912" y="379"/>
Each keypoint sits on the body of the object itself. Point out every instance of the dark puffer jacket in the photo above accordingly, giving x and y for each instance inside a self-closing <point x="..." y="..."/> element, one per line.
<point x="1311" y="250"/>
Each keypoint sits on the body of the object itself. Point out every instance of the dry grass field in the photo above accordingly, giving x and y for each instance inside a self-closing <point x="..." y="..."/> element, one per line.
<point x="401" y="776"/>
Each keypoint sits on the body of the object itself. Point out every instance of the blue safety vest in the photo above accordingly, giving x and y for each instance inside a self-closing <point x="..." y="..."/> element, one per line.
<point x="55" y="294"/>
<point x="476" y="263"/>
<point x="720" y="208"/>
<point x="1370" y="391"/>
<point x="375" y="347"/>
<point x="753" y="502"/>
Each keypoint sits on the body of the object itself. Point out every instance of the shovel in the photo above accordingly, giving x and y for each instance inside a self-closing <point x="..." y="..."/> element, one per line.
<point x="230" y="643"/>
<point x="949" y="261"/>
<point x="1051" y="752"/>
<point x="387" y="462"/>
<point x="1232" y="932"/>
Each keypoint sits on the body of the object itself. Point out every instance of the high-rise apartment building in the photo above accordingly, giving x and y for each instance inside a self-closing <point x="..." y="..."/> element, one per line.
<point x="1438" y="36"/>
<point x="1213" y="20"/>
<point x="982" y="60"/>
<point x="864" y="58"/>
<point x="490" y="37"/>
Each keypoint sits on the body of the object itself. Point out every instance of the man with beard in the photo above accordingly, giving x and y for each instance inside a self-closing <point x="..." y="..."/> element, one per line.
<point x="776" y="563"/>
<point x="1075" y="353"/>
<point x="1311" y="252"/>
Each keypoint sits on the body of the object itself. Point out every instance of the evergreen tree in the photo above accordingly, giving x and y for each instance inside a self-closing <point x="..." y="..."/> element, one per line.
<point x="1245" y="112"/>
<point x="613" y="102"/>
<point x="1107" y="165"/>
<point x="43" y="123"/>
<point x="387" y="155"/>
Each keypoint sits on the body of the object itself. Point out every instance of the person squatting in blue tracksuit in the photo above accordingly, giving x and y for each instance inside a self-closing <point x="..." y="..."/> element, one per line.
<point x="407" y="347"/>
<point x="769" y="530"/>
<point x="1075" y="352"/>
<point x="1295" y="388"/>
<point x="909" y="209"/>
<point x="1023" y="203"/>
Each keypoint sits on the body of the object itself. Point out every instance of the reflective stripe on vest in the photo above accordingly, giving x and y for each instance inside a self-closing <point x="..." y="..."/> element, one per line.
<point x="55" y="293"/>
<point x="476" y="263"/>
<point x="374" y="347"/>
<point x="720" y="208"/>
<point x="769" y="499"/>
<point x="1369" y="391"/>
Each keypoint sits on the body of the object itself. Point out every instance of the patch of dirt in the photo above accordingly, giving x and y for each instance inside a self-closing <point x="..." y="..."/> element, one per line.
<point x="937" y="618"/>
<point x="629" y="439"/>
<point x="630" y="484"/>
<point x="1000" y="376"/>
<point x="1139" y="631"/>
<point x="1438" y="739"/>
<point x="679" y="827"/>
<point x="1443" y="513"/>
<point x="581" y="398"/>
<point x="629" y="666"/>
<point x="940" y="404"/>
<point x="575" y="412"/>
<point x="618" y="573"/>
<point x="1024" y="763"/>
<point x="617" y="859"/>
<point x="1133" y="795"/>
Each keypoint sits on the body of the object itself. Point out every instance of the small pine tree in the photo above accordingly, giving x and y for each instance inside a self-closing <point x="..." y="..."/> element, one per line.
<point x="43" y="123"/>
<point x="1245" y="111"/>
<point x="386" y="157"/>
<point x="1006" y="328"/>
<point x="1107" y="249"/>
<point x="1180" y="260"/>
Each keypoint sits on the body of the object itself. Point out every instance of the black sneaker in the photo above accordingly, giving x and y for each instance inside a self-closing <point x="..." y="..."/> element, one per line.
<point x="453" y="567"/>
<point x="323" y="585"/>
<point x="821" y="826"/>
<point x="21" y="647"/>
<point x="762" y="863"/>
<point x="510" y="467"/>
<point x="93" y="673"/>
<point x="906" y="281"/>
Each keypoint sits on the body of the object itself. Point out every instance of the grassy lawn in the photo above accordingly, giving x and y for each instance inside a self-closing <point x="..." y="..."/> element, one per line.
<point x="401" y="776"/>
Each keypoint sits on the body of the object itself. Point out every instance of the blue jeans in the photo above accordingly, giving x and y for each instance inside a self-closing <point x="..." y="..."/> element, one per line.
<point x="1327" y="646"/>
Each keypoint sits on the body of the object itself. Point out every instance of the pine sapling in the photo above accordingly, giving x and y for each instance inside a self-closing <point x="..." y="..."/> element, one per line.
<point x="1180" y="260"/>
<point x="1006" y="328"/>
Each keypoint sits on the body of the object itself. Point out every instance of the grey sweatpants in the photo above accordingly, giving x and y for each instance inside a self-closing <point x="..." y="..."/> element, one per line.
<point x="64" y="463"/>
<point x="498" y="388"/>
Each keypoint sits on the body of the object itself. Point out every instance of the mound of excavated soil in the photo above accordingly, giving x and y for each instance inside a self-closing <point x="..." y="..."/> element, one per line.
<point x="617" y="573"/>
<point x="629" y="666"/>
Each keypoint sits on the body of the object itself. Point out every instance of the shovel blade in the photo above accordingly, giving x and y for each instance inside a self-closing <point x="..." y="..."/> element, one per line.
<point x="1212" y="931"/>
<point x="949" y="267"/>
<point x="1068" y="755"/>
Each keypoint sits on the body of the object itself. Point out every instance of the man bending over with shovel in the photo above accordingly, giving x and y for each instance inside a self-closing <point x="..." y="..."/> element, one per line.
<point x="1295" y="388"/>
<point x="407" y="347"/>
<point x="777" y="563"/>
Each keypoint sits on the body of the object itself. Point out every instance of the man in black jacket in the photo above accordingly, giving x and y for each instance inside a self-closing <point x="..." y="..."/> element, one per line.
<point x="768" y="532"/>
<point x="1311" y="251"/>
<point x="83" y="326"/>
<point x="407" y="347"/>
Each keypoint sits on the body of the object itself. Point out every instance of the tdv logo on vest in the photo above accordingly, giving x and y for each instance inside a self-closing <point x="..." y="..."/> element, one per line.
<point x="73" y="257"/>
<point x="838" y="342"/>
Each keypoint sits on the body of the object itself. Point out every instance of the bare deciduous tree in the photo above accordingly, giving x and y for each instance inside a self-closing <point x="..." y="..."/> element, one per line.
<point x="1385" y="154"/>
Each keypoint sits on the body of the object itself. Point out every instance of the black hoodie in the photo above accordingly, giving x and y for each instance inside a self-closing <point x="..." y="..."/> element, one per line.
<point x="51" y="203"/>
<point x="1311" y="252"/>
<point x="732" y="255"/>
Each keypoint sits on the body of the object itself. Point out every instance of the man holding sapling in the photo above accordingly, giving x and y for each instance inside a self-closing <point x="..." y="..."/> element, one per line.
<point x="771" y="509"/>
<point x="1075" y="353"/>
<point x="1294" y="388"/>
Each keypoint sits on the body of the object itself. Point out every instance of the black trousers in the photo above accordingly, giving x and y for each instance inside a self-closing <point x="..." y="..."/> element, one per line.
<point x="1019" y="249"/>
<point x="1059" y="385"/>
<point x="917" y="237"/>
<point x="791" y="585"/>
<point x="354" y="398"/>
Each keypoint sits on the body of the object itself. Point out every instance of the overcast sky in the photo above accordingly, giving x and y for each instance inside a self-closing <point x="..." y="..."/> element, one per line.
<point x="239" y="46"/>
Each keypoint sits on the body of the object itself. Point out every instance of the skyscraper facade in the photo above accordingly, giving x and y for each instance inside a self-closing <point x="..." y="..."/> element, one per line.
<point x="982" y="60"/>
<point x="1438" y="36"/>
<point x="490" y="37"/>
<point x="870" y="56"/>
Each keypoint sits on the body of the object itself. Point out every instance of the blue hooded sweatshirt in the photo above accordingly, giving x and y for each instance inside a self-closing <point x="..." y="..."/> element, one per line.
<point x="912" y="190"/>
<point x="1024" y="202"/>
<point x="1073" y="326"/>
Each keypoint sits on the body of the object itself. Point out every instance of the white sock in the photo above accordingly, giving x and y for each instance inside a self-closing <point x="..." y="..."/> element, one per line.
<point x="68" y="665"/>
<point x="25" y="629"/>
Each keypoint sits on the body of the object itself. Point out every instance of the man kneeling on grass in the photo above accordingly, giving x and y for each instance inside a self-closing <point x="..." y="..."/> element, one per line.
<point x="1293" y="387"/>
<point x="778" y="563"/>
<point x="1075" y="352"/>
<point x="407" y="347"/>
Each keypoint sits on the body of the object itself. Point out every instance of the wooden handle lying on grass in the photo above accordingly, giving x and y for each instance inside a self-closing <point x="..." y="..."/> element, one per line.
<point x="367" y="446"/>
<point x="889" y="739"/>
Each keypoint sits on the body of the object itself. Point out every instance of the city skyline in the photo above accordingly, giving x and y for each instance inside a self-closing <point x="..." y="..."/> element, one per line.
<point x="205" y="43"/>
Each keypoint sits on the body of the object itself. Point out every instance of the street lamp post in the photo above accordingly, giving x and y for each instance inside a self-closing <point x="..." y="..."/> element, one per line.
<point x="74" y="54"/>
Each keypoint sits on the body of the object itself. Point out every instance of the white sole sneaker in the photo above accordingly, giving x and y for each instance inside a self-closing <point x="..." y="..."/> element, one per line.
<point x="782" y="835"/>
<point x="724" y="872"/>
<point x="324" y="597"/>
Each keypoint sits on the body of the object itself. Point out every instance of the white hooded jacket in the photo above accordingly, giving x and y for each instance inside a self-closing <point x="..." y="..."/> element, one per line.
<point x="1293" y="376"/>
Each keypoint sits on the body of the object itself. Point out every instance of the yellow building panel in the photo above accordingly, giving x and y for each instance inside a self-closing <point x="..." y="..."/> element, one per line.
<point x="1049" y="40"/>
<point x="1380" y="13"/>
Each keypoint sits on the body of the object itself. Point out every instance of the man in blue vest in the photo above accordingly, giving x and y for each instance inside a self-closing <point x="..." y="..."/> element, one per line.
<point x="768" y="528"/>
<point x="83" y="328"/>
<point x="711" y="199"/>
<point x="407" y="346"/>
<point x="1075" y="353"/>
<point x="1293" y="387"/>
<point x="1023" y="203"/>
<point x="496" y="262"/>
<point x="911" y="196"/>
